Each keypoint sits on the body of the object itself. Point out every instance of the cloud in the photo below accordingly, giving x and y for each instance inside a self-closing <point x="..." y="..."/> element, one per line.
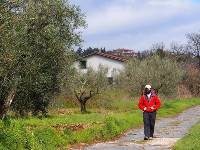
<point x="144" y="40"/>
<point x="171" y="3"/>
<point x="121" y="14"/>
<point x="137" y="24"/>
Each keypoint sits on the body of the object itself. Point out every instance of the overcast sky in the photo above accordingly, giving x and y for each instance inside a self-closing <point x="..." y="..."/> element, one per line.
<point x="137" y="24"/>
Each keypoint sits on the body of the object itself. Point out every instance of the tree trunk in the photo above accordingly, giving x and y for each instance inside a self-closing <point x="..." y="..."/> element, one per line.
<point x="2" y="109"/>
<point x="83" y="99"/>
<point x="198" y="60"/>
<point x="5" y="105"/>
<point x="83" y="107"/>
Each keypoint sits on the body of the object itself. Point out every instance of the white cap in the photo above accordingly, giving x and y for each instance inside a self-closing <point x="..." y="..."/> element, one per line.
<point x="148" y="86"/>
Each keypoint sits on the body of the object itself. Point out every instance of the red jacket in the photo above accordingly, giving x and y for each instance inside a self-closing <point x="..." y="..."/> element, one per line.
<point x="153" y="102"/>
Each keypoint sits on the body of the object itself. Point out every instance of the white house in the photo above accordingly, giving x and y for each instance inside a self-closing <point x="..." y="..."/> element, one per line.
<point x="114" y="63"/>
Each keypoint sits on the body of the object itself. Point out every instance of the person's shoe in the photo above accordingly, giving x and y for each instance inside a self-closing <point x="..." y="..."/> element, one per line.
<point x="150" y="138"/>
<point x="146" y="138"/>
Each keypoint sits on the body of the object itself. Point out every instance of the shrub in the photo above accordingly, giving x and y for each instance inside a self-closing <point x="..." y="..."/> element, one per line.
<point x="162" y="73"/>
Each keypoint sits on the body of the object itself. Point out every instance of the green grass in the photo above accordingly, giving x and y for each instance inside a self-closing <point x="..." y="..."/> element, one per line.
<point x="191" y="140"/>
<point x="172" y="107"/>
<point x="54" y="132"/>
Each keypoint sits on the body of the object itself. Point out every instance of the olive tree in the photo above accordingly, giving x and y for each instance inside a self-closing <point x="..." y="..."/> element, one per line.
<point x="35" y="44"/>
<point x="192" y="79"/>
<point x="84" y="86"/>
<point x="162" y="73"/>
<point x="194" y="45"/>
<point x="9" y="57"/>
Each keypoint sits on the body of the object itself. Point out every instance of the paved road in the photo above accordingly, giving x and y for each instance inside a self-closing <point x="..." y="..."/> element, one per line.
<point x="167" y="131"/>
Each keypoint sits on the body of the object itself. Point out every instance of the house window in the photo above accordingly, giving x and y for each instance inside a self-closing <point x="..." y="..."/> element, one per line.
<point x="110" y="80"/>
<point x="83" y="64"/>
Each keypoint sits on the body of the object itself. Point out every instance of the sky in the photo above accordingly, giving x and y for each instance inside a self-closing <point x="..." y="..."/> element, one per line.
<point x="138" y="24"/>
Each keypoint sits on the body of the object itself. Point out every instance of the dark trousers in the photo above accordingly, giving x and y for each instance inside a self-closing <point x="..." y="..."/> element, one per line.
<point x="149" y="119"/>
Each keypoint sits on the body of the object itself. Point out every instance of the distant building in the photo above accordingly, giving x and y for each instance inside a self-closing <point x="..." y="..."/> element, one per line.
<point x="123" y="52"/>
<point x="114" y="63"/>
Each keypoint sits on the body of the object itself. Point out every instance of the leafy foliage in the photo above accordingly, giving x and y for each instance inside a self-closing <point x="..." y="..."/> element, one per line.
<point x="85" y="85"/>
<point x="162" y="73"/>
<point x="88" y="51"/>
<point x="35" y="48"/>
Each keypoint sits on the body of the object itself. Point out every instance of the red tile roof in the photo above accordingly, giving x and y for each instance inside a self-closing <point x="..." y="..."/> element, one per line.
<point x="108" y="55"/>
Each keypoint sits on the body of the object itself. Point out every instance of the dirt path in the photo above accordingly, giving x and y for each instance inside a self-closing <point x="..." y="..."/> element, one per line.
<point x="167" y="132"/>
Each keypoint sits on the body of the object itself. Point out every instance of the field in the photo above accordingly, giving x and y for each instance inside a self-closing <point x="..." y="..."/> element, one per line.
<point x="66" y="127"/>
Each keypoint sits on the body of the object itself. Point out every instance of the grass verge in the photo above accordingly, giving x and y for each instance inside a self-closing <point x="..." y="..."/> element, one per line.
<point x="191" y="140"/>
<point x="59" y="132"/>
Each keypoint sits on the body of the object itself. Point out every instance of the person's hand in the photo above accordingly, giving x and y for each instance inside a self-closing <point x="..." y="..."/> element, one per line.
<point x="152" y="107"/>
<point x="145" y="108"/>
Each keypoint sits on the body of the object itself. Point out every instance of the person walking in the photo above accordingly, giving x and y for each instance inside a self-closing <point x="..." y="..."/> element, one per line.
<point x="149" y="104"/>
